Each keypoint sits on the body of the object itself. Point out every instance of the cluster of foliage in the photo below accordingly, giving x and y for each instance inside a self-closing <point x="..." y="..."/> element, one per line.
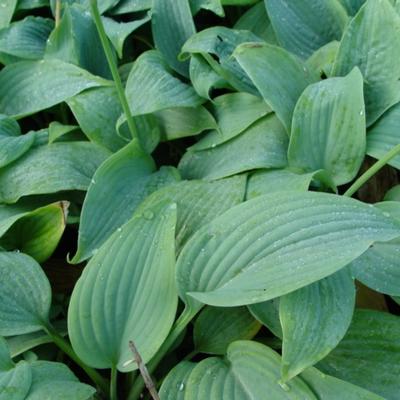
<point x="195" y="162"/>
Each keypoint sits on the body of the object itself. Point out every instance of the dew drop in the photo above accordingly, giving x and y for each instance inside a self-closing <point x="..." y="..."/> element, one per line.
<point x="284" y="386"/>
<point x="181" y="386"/>
<point x="148" y="215"/>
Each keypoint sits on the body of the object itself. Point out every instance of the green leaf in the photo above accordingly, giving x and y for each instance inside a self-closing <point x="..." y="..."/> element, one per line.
<point x="5" y="358"/>
<point x="21" y="343"/>
<point x="58" y="130"/>
<point x="393" y="194"/>
<point x="51" y="380"/>
<point x="260" y="249"/>
<point x="152" y="87"/>
<point x="38" y="232"/>
<point x="371" y="42"/>
<point x="97" y="111"/>
<point x="30" y="86"/>
<point x="198" y="202"/>
<point x="265" y="140"/>
<point x="12" y="144"/>
<point x="216" y="328"/>
<point x="267" y="313"/>
<point x="369" y="354"/>
<point x="172" y="24"/>
<point x="31" y="4"/>
<point x="128" y="6"/>
<point x="303" y="27"/>
<point x="279" y="76"/>
<point x="249" y="371"/>
<point x="352" y="6"/>
<point x="7" y="11"/>
<point x="203" y="77"/>
<point x="321" y="311"/>
<point x="15" y="382"/>
<point x="127" y="292"/>
<point x="234" y="113"/>
<point x="117" y="188"/>
<point x="328" y="128"/>
<point x="278" y="180"/>
<point x="76" y="41"/>
<point x="25" y="295"/>
<point x="173" y="386"/>
<point x="257" y="21"/>
<point x="211" y="5"/>
<point x="51" y="168"/>
<point x="323" y="59"/>
<point x="117" y="32"/>
<point x="379" y="267"/>
<point x="221" y="43"/>
<point x="181" y="122"/>
<point x="384" y="135"/>
<point x="329" y="388"/>
<point x="26" y="39"/>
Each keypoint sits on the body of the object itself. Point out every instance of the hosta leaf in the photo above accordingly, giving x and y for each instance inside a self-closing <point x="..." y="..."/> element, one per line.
<point x="30" y="86"/>
<point x="249" y="371"/>
<point x="127" y="292"/>
<point x="57" y="131"/>
<point x="172" y="24"/>
<point x="266" y="141"/>
<point x="203" y="77"/>
<point x="384" y="135"/>
<point x="12" y="143"/>
<point x="76" y="41"/>
<point x="7" y="11"/>
<point x="369" y="354"/>
<point x="15" y="382"/>
<point x="31" y="4"/>
<point x="234" y="113"/>
<point x="51" y="168"/>
<point x="38" y="232"/>
<point x="323" y="311"/>
<point x="375" y="23"/>
<point x="323" y="59"/>
<point x="352" y="6"/>
<point x="152" y="87"/>
<point x="303" y="27"/>
<point x="328" y="129"/>
<point x="97" y="111"/>
<point x="26" y="39"/>
<point x="278" y="180"/>
<point x="211" y="5"/>
<point x="278" y="75"/>
<point x="267" y="313"/>
<point x="329" y="388"/>
<point x="216" y="328"/>
<point x="393" y="194"/>
<point x="25" y="295"/>
<point x="221" y="43"/>
<point x="198" y="202"/>
<point x="128" y="6"/>
<point x="173" y="386"/>
<point x="128" y="176"/>
<point x="256" y="20"/>
<point x="51" y="380"/>
<point x="379" y="267"/>
<point x="260" y="249"/>
<point x="182" y="122"/>
<point x="5" y="358"/>
<point x="117" y="32"/>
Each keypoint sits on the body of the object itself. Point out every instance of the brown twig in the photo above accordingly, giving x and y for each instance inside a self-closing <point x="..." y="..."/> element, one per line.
<point x="144" y="372"/>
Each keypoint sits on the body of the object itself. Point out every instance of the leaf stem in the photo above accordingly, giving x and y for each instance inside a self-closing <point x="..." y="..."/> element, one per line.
<point x="181" y="323"/>
<point x="57" y="13"/>
<point x="370" y="172"/>
<point x="67" y="349"/>
<point x="113" y="385"/>
<point x="113" y="68"/>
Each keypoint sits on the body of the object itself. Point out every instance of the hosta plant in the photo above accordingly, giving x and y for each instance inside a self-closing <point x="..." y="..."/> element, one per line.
<point x="199" y="199"/>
